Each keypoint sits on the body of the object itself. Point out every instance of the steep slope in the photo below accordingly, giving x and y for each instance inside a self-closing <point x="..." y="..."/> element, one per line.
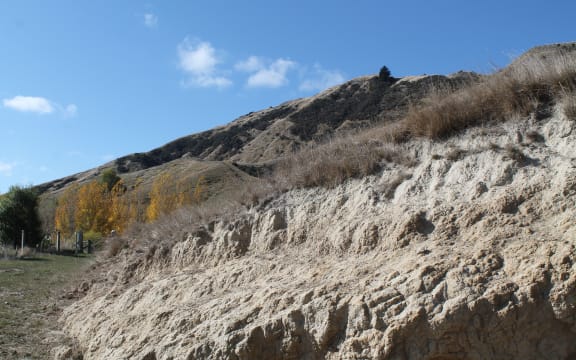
<point x="248" y="147"/>
<point x="467" y="255"/>
<point x="269" y="134"/>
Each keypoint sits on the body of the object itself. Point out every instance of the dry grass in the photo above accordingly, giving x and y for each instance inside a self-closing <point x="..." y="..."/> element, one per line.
<point x="527" y="87"/>
<point x="31" y="301"/>
<point x="334" y="162"/>
<point x="388" y="188"/>
<point x="530" y="86"/>
<point x="569" y="104"/>
<point x="114" y="245"/>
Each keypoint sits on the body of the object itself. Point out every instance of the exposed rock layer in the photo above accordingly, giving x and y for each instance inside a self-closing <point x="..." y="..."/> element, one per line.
<point x="459" y="257"/>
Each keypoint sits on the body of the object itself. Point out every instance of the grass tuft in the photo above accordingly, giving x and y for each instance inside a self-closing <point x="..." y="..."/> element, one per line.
<point x="332" y="163"/>
<point x="527" y="87"/>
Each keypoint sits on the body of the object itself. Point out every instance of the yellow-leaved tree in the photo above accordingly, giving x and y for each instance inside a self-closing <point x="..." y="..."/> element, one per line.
<point x="164" y="197"/>
<point x="119" y="212"/>
<point x="64" y="214"/>
<point x="93" y="206"/>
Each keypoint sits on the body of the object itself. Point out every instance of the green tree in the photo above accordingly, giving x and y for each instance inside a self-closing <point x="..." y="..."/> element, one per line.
<point x="19" y="211"/>
<point x="384" y="75"/>
<point x="110" y="178"/>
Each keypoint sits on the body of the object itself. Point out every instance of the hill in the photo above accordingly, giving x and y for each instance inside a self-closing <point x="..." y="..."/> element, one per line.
<point x="450" y="234"/>
<point x="264" y="136"/>
<point x="231" y="156"/>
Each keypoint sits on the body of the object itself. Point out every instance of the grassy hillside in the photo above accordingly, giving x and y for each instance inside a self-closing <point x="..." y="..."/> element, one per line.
<point x="350" y="131"/>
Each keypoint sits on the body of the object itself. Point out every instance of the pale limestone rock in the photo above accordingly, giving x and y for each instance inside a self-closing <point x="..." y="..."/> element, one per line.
<point x="472" y="258"/>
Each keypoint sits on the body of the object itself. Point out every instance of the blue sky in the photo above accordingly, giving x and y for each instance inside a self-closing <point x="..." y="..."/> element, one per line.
<point x="83" y="82"/>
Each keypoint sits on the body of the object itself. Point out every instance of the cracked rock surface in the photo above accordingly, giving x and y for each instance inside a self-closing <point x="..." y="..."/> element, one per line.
<point x="467" y="258"/>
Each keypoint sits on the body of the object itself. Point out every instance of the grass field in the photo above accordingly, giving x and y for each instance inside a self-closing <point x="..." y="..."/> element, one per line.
<point x="31" y="301"/>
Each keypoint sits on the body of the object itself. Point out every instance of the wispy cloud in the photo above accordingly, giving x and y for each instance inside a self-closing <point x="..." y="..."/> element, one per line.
<point x="199" y="60"/>
<point x="150" y="20"/>
<point x="6" y="168"/>
<point x="32" y="104"/>
<point x="39" y="105"/>
<point x="320" y="79"/>
<point x="266" y="73"/>
<point x="70" y="110"/>
<point x="253" y="63"/>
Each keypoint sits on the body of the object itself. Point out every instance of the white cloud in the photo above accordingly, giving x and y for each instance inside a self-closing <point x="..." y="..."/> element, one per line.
<point x="33" y="104"/>
<point x="6" y="168"/>
<point x="199" y="60"/>
<point x="39" y="105"/>
<point x="266" y="74"/>
<point x="320" y="79"/>
<point x="253" y="63"/>
<point x="150" y="20"/>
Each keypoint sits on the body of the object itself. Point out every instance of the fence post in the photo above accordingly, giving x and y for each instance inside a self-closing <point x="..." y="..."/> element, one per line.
<point x="89" y="246"/>
<point x="79" y="242"/>
<point x="23" y="237"/>
<point x="58" y="241"/>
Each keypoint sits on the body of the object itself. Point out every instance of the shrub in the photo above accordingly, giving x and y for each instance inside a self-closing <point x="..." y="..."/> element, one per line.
<point x="109" y="178"/>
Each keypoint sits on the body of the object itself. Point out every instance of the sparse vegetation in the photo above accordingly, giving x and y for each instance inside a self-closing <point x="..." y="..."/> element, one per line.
<point x="332" y="163"/>
<point x="31" y="300"/>
<point x="114" y="245"/>
<point x="569" y="105"/>
<point x="527" y="87"/>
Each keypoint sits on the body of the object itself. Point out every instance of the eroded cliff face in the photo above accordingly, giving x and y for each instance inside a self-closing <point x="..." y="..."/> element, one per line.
<point x="468" y="255"/>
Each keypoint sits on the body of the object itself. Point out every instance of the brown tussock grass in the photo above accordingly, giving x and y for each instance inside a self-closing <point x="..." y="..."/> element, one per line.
<point x="330" y="164"/>
<point x="515" y="91"/>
